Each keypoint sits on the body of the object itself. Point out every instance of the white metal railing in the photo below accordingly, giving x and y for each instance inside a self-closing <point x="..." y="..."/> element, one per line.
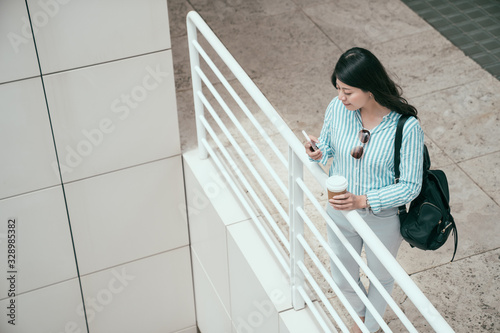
<point x="291" y="255"/>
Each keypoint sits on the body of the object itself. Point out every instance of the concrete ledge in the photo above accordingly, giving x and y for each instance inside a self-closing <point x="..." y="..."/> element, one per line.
<point x="292" y="321"/>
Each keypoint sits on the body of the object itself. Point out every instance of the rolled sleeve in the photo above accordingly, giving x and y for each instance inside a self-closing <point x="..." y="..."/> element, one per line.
<point x="374" y="201"/>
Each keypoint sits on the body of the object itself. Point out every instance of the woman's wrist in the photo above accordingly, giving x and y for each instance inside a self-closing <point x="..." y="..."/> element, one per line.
<point x="366" y="202"/>
<point x="360" y="201"/>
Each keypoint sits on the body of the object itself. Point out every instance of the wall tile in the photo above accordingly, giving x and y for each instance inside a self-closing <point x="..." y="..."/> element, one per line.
<point x="17" y="50"/>
<point x="210" y="207"/>
<point x="150" y="295"/>
<point x="54" y="309"/>
<point x="28" y="155"/>
<point x="292" y="321"/>
<point x="208" y="239"/>
<point x="115" y="115"/>
<point x="128" y="214"/>
<point x="79" y="33"/>
<point x="251" y="307"/>
<point x="192" y="329"/>
<point x="282" y="326"/>
<point x="261" y="261"/>
<point x="44" y="251"/>
<point x="211" y="313"/>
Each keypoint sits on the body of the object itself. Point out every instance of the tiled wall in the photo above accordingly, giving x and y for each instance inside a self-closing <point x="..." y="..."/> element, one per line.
<point x="91" y="170"/>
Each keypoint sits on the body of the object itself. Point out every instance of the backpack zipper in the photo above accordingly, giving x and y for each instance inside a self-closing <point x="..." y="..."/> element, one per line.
<point x="444" y="229"/>
<point x="430" y="204"/>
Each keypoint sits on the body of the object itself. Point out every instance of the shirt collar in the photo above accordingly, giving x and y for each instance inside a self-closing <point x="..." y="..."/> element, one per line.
<point x="392" y="116"/>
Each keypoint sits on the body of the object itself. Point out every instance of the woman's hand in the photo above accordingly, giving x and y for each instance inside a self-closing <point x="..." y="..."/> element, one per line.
<point x="315" y="155"/>
<point x="348" y="201"/>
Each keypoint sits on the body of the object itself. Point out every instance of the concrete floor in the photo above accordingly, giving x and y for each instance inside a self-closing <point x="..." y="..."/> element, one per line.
<point x="289" y="48"/>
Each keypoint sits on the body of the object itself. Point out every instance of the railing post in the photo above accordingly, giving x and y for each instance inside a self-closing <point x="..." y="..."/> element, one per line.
<point x="296" y="200"/>
<point x="196" y="82"/>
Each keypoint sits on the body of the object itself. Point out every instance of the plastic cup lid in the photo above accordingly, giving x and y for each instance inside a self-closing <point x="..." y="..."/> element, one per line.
<point x="336" y="183"/>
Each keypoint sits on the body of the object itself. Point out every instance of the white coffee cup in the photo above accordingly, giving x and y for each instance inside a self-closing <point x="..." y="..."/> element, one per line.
<point x="336" y="185"/>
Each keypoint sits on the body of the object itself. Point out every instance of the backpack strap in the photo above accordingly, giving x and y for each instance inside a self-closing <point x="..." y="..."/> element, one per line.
<point x="397" y="154"/>
<point x="455" y="236"/>
<point x="397" y="145"/>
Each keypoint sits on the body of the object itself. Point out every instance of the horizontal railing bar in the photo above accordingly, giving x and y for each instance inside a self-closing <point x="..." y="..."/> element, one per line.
<point x="240" y="128"/>
<point x="404" y="319"/>
<point x="313" y="309"/>
<point x="400" y="276"/>
<point x="245" y="159"/>
<point x="247" y="185"/>
<point x="348" y="247"/>
<point x="240" y="102"/>
<point x="320" y="293"/>
<point x="257" y="95"/>
<point x="249" y="210"/>
<point x="332" y="283"/>
<point x="373" y="280"/>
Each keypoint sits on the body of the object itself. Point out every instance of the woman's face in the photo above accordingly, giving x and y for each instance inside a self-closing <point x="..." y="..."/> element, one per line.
<point x="353" y="98"/>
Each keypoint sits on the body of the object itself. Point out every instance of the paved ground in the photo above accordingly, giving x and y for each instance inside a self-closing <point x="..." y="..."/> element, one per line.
<point x="289" y="49"/>
<point x="473" y="26"/>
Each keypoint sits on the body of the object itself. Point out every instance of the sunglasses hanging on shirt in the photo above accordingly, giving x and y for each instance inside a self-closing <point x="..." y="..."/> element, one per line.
<point x="364" y="137"/>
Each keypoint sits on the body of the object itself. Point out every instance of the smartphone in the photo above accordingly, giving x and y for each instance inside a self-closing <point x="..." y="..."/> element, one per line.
<point x="313" y="145"/>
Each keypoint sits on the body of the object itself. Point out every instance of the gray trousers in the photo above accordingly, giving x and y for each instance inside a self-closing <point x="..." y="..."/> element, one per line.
<point x="385" y="225"/>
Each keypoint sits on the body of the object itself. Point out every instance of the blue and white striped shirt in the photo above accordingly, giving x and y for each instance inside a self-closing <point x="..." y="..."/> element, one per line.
<point x="373" y="173"/>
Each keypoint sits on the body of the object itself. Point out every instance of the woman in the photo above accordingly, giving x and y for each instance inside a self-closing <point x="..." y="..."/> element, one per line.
<point x="358" y="133"/>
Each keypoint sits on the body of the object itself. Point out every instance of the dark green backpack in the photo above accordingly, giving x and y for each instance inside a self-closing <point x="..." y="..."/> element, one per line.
<point x="428" y="222"/>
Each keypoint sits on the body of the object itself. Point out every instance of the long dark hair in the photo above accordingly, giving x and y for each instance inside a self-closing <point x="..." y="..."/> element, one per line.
<point x="359" y="68"/>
